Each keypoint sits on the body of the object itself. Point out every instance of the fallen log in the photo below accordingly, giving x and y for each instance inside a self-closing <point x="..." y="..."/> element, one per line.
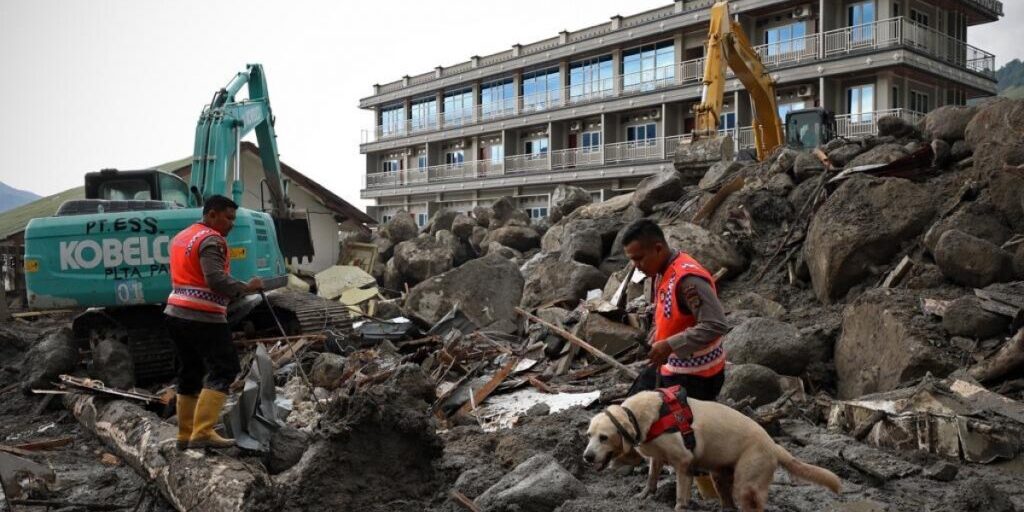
<point x="189" y="480"/>
<point x="580" y="343"/>
<point x="1006" y="361"/>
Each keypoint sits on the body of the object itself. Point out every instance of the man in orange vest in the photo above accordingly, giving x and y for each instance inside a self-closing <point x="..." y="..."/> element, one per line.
<point x="201" y="289"/>
<point x="689" y="321"/>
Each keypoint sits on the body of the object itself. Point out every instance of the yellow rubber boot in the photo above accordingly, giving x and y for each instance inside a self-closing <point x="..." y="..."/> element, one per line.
<point x="207" y="416"/>
<point x="186" y="407"/>
<point x="706" y="487"/>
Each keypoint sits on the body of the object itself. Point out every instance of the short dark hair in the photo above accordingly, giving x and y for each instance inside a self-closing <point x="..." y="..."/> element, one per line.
<point x="218" y="203"/>
<point x="644" y="230"/>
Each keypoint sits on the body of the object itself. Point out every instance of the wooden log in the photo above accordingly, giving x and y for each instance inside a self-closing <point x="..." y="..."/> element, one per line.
<point x="189" y="480"/>
<point x="463" y="501"/>
<point x="481" y="394"/>
<point x="1006" y="361"/>
<point x="580" y="343"/>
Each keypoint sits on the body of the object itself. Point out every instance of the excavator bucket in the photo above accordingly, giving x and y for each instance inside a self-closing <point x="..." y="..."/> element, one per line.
<point x="693" y="159"/>
<point x="294" y="238"/>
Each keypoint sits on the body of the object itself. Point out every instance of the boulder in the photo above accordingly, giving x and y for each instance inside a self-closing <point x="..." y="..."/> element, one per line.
<point x="948" y="123"/>
<point x="504" y="212"/>
<point x="392" y="279"/>
<point x="971" y="261"/>
<point x="941" y="152"/>
<point x="400" y="228"/>
<point x="783" y="162"/>
<point x="421" y="258"/>
<point x="711" y="250"/>
<point x="718" y="174"/>
<point x="553" y="281"/>
<point x="960" y="150"/>
<point x="979" y="219"/>
<point x="112" y="363"/>
<point x="891" y="126"/>
<point x="659" y="188"/>
<point x="846" y="153"/>
<point x="327" y="370"/>
<point x="54" y="355"/>
<point x="287" y="445"/>
<point x="882" y="154"/>
<point x="996" y="133"/>
<point x="886" y="343"/>
<point x="774" y="344"/>
<point x="1018" y="261"/>
<point x="476" y="239"/>
<point x="753" y="381"/>
<point x="519" y="238"/>
<point x="965" y="317"/>
<point x="493" y="304"/>
<point x="505" y="252"/>
<point x="1006" y="190"/>
<point x="567" y="198"/>
<point x="540" y="484"/>
<point x="385" y="247"/>
<point x="752" y="301"/>
<point x="609" y="336"/>
<point x="441" y="220"/>
<point x="462" y="226"/>
<point x="861" y="225"/>
<point x="482" y="215"/>
<point x="806" y="166"/>
<point x="462" y="251"/>
<point x="584" y="246"/>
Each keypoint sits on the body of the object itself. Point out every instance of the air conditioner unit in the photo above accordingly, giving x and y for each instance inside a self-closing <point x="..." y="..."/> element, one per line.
<point x="805" y="91"/>
<point x="803" y="11"/>
<point x="656" y="114"/>
<point x="575" y="126"/>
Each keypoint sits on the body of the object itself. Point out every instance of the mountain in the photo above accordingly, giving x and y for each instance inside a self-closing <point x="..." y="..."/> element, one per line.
<point x="1011" y="79"/>
<point x="11" y="197"/>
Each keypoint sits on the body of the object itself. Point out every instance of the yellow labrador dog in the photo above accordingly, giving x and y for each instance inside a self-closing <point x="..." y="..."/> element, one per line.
<point x="740" y="455"/>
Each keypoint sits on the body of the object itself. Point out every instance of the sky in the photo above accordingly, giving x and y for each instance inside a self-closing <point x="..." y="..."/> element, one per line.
<point x="92" y="84"/>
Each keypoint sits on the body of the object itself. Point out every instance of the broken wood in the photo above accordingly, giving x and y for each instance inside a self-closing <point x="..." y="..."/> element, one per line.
<point x="1000" y="303"/>
<point x="98" y="507"/>
<point x="16" y="451"/>
<point x="46" y="444"/>
<point x="481" y="394"/>
<point x="5" y="314"/>
<point x="187" y="480"/>
<point x="1009" y="359"/>
<point x="33" y="314"/>
<point x="716" y="200"/>
<point x="899" y="273"/>
<point x="580" y="343"/>
<point x="935" y="307"/>
<point x="863" y="429"/>
<point x="463" y="501"/>
<point x="540" y="385"/>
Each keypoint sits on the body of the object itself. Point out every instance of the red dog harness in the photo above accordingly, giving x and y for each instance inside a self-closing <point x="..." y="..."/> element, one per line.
<point x="676" y="416"/>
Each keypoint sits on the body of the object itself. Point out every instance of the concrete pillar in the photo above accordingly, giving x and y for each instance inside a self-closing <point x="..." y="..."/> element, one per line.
<point x="551" y="142"/>
<point x="407" y="103"/>
<point x="476" y="101"/>
<point x="677" y="41"/>
<point x="563" y="81"/>
<point x="440" y="102"/>
<point x="822" y="94"/>
<point x="617" y="70"/>
<point x="604" y="137"/>
<point x="517" y="86"/>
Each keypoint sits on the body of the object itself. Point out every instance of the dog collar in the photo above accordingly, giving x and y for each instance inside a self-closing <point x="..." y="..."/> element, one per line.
<point x="632" y="439"/>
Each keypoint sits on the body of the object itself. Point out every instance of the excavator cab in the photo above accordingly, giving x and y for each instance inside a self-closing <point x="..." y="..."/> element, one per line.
<point x="809" y="128"/>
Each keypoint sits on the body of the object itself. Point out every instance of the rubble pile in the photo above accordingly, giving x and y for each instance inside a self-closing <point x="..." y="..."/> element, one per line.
<point x="875" y="293"/>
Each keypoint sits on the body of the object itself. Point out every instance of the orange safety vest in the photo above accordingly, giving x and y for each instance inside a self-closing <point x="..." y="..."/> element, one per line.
<point x="671" y="319"/>
<point x="188" y="284"/>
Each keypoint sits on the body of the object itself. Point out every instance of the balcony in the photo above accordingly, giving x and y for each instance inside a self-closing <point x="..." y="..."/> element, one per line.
<point x="853" y="125"/>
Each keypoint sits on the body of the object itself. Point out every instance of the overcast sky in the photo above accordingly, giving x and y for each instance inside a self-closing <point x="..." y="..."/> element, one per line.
<point x="86" y="85"/>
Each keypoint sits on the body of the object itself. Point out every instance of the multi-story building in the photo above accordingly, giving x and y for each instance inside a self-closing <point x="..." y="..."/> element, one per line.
<point x="605" y="106"/>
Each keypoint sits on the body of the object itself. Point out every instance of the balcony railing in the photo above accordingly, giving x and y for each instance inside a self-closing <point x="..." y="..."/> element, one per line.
<point x="851" y="125"/>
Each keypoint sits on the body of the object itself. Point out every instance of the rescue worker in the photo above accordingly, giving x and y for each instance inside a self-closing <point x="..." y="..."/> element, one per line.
<point x="202" y="288"/>
<point x="689" y="321"/>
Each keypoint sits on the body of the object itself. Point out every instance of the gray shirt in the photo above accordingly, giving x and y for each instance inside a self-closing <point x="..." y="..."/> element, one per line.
<point x="696" y="296"/>
<point x="211" y="258"/>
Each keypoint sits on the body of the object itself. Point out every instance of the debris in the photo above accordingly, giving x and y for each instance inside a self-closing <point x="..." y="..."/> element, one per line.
<point x="1006" y="361"/>
<point x="97" y="387"/>
<point x="709" y="207"/>
<point x="110" y="459"/>
<point x="97" y="507"/>
<point x="477" y="397"/>
<point x="20" y="477"/>
<point x="540" y="484"/>
<point x="502" y="411"/>
<point x="941" y="471"/>
<point x="357" y="254"/>
<point x="334" y="281"/>
<point x="46" y="444"/>
<point x="252" y="420"/>
<point x="899" y="273"/>
<point x="464" y="502"/>
<point x="581" y="344"/>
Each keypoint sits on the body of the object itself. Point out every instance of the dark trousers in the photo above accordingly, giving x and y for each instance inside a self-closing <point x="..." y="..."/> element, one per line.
<point x="203" y="350"/>
<point x="701" y="388"/>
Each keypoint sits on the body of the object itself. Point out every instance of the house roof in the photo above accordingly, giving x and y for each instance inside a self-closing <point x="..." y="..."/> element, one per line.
<point x="14" y="221"/>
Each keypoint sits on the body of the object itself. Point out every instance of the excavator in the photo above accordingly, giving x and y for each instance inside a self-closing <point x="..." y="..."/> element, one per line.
<point x="108" y="253"/>
<point x="729" y="48"/>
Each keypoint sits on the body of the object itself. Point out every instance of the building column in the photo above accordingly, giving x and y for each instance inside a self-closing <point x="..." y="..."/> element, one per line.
<point x="551" y="143"/>
<point x="677" y="41"/>
<point x="439" y="98"/>
<point x="476" y="101"/>
<point x="563" y="81"/>
<point x="408" y="116"/>
<point x="822" y="94"/>
<point x="617" y="71"/>
<point x="604" y="137"/>
<point x="517" y="86"/>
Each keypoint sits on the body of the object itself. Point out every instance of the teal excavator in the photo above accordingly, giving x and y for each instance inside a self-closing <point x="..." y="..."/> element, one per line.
<point x="108" y="253"/>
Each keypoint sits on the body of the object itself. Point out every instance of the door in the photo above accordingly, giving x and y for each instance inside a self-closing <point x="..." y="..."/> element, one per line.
<point x="861" y="19"/>
<point x="860" y="103"/>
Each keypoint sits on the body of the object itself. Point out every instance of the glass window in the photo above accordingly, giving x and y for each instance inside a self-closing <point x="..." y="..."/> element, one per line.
<point x="391" y="165"/>
<point x="541" y="89"/>
<point x="861" y="16"/>
<point x="421" y="219"/>
<point x="591" y="142"/>
<point x="458" y="107"/>
<point x="590" y="78"/>
<point x="173" y="189"/>
<point x="498" y="98"/>
<point x="642" y="134"/>
<point x="385" y="218"/>
<point x="455" y="158"/>
<point x="786" y="39"/>
<point x="649" y="66"/>
<point x="421" y="162"/>
<point x="496" y="154"/>
<point x="125" y="190"/>
<point x="919" y="17"/>
<point x="536" y="148"/>
<point x="392" y="120"/>
<point x="424" y="114"/>
<point x="727" y="121"/>
<point x="919" y="102"/>
<point x="860" y="103"/>
<point x="786" y="108"/>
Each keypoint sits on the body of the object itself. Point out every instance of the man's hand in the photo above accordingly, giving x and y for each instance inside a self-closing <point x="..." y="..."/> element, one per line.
<point x="659" y="353"/>
<point x="254" y="285"/>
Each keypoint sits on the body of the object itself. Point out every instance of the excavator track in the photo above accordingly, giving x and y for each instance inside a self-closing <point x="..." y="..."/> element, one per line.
<point x="305" y="313"/>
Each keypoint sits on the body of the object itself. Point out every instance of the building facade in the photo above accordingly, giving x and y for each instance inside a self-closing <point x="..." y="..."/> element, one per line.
<point x="605" y="106"/>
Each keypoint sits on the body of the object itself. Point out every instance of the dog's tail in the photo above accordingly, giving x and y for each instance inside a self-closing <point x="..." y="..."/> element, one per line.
<point x="809" y="472"/>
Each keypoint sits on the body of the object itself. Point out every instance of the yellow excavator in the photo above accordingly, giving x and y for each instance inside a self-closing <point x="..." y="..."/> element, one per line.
<point x="729" y="48"/>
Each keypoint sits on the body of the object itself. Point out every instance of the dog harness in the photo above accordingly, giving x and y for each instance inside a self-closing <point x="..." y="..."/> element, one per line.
<point x="676" y="416"/>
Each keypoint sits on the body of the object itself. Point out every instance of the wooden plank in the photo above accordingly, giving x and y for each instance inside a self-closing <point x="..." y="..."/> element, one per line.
<point x="32" y="314"/>
<point x="16" y="451"/>
<point x="481" y="394"/>
<point x="540" y="385"/>
<point x="46" y="444"/>
<point x="580" y="343"/>
<point x="709" y="208"/>
<point x="896" y="276"/>
<point x="463" y="501"/>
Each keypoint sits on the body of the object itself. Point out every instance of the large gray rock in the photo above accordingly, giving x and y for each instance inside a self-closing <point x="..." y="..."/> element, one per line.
<point x="860" y="226"/>
<point x="476" y="239"/>
<point x="462" y="251"/>
<point x="585" y="246"/>
<point x="979" y="219"/>
<point x="400" y="228"/>
<point x="112" y="363"/>
<point x="971" y="261"/>
<point x="965" y="317"/>
<point x="327" y="370"/>
<point x="462" y="226"/>
<point x="718" y="174"/>
<point x="54" y="355"/>
<point x="482" y="215"/>
<point x="892" y="126"/>
<point x="567" y="198"/>
<point x="753" y="381"/>
<point x="806" y="166"/>
<point x="757" y="303"/>
<point x="659" y="188"/>
<point x="885" y="343"/>
<point x="421" y="258"/>
<point x="844" y="154"/>
<point x="610" y="337"/>
<point x="504" y="212"/>
<point x="948" y="123"/>
<point x="385" y="247"/>
<point x="441" y="220"/>
<point x="711" y="250"/>
<point x="1018" y="261"/>
<point x="487" y="290"/>
<point x="783" y="161"/>
<point x="553" y="281"/>
<point x="392" y="279"/>
<point x="941" y="153"/>
<point x="540" y="484"/>
<point x="996" y="133"/>
<point x="287" y="446"/>
<point x="960" y="150"/>
<point x="519" y="238"/>
<point x="774" y="344"/>
<point x="882" y="154"/>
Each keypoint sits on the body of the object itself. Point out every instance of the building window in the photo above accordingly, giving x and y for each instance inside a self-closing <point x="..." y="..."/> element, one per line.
<point x="391" y="165"/>
<point x="537" y="213"/>
<point x="421" y="162"/>
<point x="458" y="107"/>
<point x="786" y="108"/>
<point x="786" y="39"/>
<point x="421" y="219"/>
<point x="392" y="121"/>
<point x="498" y="98"/>
<point x="424" y="114"/>
<point x="590" y="78"/>
<point x="727" y="121"/>
<point x="896" y="97"/>
<point x="919" y="102"/>
<point x="541" y="89"/>
<point x="384" y="219"/>
<point x="860" y="103"/>
<point x="642" y="134"/>
<point x="496" y="154"/>
<point x="861" y="17"/>
<point x="536" y="148"/>
<point x="454" y="158"/>
<point x="591" y="142"/>
<point x="650" y="66"/>
<point x="896" y="10"/>
<point x="919" y="17"/>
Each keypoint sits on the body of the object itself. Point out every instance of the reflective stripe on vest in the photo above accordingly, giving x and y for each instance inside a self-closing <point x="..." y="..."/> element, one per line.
<point x="188" y="284"/>
<point x="671" y="319"/>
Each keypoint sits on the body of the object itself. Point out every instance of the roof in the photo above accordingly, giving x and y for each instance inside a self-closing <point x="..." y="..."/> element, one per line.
<point x="14" y="221"/>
